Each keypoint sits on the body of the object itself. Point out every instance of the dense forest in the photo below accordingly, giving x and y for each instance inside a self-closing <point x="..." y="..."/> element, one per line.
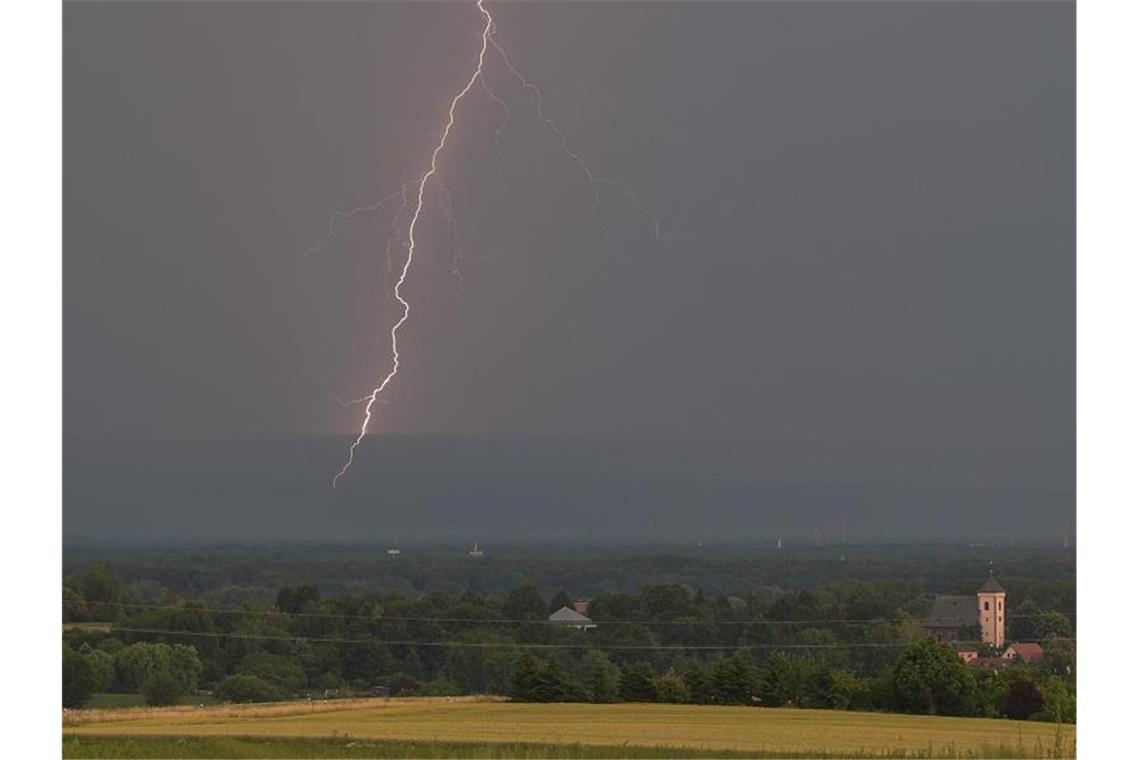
<point x="831" y="627"/>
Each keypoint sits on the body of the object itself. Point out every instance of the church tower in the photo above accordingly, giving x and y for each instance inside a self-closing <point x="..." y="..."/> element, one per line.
<point x="991" y="612"/>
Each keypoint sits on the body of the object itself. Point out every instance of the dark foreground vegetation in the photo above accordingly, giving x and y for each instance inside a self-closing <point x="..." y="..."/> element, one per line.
<point x="237" y="747"/>
<point x="258" y="747"/>
<point x="841" y="631"/>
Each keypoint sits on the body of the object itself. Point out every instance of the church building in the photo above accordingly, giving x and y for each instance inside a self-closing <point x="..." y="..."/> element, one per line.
<point x="952" y="618"/>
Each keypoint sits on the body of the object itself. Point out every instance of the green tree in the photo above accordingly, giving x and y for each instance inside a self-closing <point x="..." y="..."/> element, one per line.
<point x="602" y="677"/>
<point x="843" y="690"/>
<point x="103" y="668"/>
<point x="99" y="584"/>
<point x="786" y="680"/>
<point x="162" y="687"/>
<point x="671" y="688"/>
<point x="1022" y="699"/>
<point x="185" y="666"/>
<point x="79" y="678"/>
<point x="699" y="684"/>
<point x="733" y="680"/>
<point x="560" y="600"/>
<point x="134" y="664"/>
<point x="297" y="599"/>
<point x="524" y="678"/>
<point x="550" y="683"/>
<point x="929" y="677"/>
<point x="280" y="670"/>
<point x="74" y="606"/>
<point x="247" y="689"/>
<point x="638" y="683"/>
<point x="1059" y="704"/>
<point x="525" y="603"/>
<point x="1061" y="657"/>
<point x="1030" y="622"/>
<point x="667" y="601"/>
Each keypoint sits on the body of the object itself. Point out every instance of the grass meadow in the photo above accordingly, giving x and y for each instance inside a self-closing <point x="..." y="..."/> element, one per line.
<point x="486" y="728"/>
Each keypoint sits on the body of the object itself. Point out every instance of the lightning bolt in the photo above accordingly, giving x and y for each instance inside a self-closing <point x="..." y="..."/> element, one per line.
<point x="432" y="176"/>
<point x="488" y="25"/>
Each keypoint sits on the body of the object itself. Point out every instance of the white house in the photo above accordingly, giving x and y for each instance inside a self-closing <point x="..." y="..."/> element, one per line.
<point x="568" y="617"/>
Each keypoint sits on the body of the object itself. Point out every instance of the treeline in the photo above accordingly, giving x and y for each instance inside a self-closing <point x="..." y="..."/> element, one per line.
<point x="841" y="645"/>
<point x="237" y="574"/>
<point x="927" y="677"/>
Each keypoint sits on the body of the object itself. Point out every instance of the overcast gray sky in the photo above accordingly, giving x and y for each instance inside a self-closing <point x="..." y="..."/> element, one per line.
<point x="873" y="206"/>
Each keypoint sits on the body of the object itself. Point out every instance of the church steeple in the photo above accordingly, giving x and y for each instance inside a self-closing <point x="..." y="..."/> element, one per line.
<point x="991" y="610"/>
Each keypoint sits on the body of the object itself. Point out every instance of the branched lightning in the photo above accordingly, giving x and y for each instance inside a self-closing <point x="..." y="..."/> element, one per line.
<point x="344" y="216"/>
<point x="432" y="177"/>
<point x="498" y="135"/>
<point x="488" y="23"/>
<point x="595" y="180"/>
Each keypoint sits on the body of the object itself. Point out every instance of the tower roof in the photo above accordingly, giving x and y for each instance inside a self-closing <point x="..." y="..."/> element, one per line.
<point x="991" y="586"/>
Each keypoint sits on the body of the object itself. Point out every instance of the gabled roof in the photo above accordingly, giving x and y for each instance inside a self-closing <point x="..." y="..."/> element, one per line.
<point x="991" y="586"/>
<point x="567" y="615"/>
<point x="1028" y="652"/>
<point x="952" y="612"/>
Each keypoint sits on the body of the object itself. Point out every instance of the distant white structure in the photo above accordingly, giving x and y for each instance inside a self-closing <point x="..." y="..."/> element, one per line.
<point x="476" y="552"/>
<point x="571" y="619"/>
<point x="393" y="552"/>
<point x="779" y="543"/>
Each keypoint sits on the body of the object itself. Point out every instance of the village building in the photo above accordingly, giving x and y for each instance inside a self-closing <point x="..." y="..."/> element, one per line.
<point x="1027" y="653"/>
<point x="993" y="664"/>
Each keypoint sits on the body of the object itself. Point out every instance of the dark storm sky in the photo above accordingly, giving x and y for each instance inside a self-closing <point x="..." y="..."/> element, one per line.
<point x="873" y="205"/>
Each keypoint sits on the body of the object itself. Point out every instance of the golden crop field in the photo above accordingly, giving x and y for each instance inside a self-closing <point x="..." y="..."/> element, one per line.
<point x="750" y="729"/>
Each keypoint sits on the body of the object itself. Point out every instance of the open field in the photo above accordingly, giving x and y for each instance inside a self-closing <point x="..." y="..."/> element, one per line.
<point x="110" y="701"/>
<point x="444" y="727"/>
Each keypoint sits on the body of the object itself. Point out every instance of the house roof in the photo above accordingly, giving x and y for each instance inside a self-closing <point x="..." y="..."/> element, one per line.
<point x="952" y="612"/>
<point x="997" y="663"/>
<point x="991" y="586"/>
<point x="567" y="615"/>
<point x="1028" y="652"/>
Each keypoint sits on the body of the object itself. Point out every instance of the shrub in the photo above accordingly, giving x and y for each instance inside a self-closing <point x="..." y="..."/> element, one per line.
<point x="670" y="688"/>
<point x="247" y="689"/>
<point x="162" y="687"/>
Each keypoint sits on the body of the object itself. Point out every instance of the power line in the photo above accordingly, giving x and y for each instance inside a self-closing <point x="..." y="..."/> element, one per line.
<point x="510" y="621"/>
<point x="513" y="645"/>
